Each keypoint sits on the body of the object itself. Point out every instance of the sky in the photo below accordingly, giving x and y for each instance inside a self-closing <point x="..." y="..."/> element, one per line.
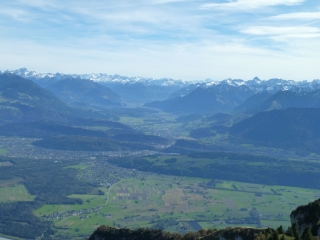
<point x="180" y="39"/>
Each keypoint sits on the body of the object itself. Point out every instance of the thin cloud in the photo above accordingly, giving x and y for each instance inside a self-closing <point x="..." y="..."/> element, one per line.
<point x="167" y="1"/>
<point x="297" y="16"/>
<point x="283" y="33"/>
<point x="161" y="38"/>
<point x="266" y="30"/>
<point x="249" y="4"/>
<point x="15" y="13"/>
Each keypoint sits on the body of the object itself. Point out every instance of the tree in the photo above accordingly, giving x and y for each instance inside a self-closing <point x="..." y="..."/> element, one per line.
<point x="295" y="231"/>
<point x="280" y="230"/>
<point x="307" y="235"/>
<point x="275" y="236"/>
<point x="289" y="232"/>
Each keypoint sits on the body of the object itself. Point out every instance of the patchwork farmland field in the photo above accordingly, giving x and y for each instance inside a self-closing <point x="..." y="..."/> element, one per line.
<point x="14" y="193"/>
<point x="179" y="204"/>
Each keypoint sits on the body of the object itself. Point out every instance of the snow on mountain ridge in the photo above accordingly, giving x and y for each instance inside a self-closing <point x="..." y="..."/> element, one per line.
<point x="98" y="77"/>
<point x="256" y="84"/>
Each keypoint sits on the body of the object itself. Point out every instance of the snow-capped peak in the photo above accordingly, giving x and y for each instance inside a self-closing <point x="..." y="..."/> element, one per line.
<point x="99" y="77"/>
<point x="256" y="84"/>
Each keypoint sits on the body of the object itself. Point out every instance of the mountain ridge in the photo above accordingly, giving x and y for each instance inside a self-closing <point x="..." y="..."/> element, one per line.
<point x="273" y="84"/>
<point x="22" y="100"/>
<point x="96" y="77"/>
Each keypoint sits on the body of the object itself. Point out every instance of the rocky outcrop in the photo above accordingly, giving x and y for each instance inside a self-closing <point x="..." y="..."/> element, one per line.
<point x="307" y="215"/>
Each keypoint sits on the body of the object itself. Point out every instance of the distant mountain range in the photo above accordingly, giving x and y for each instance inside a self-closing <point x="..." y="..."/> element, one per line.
<point x="241" y="96"/>
<point x="177" y="96"/>
<point x="131" y="89"/>
<point x="96" y="77"/>
<point x="272" y="85"/>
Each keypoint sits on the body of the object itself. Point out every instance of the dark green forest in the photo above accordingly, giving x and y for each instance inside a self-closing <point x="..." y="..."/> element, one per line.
<point x="235" y="167"/>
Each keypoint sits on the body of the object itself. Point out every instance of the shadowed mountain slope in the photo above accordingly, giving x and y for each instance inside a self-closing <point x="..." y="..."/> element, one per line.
<point x="220" y="98"/>
<point x="23" y="100"/>
<point x="141" y="92"/>
<point x="253" y="102"/>
<point x="289" y="99"/>
<point x="116" y="134"/>
<point x="81" y="91"/>
<point x="290" y="128"/>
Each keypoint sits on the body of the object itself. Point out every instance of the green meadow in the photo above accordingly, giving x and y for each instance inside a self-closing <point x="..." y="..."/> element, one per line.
<point x="3" y="151"/>
<point x="180" y="204"/>
<point x="79" y="166"/>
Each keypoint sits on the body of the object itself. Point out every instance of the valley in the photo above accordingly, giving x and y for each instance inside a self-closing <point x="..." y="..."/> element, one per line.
<point x="160" y="120"/>
<point x="75" y="155"/>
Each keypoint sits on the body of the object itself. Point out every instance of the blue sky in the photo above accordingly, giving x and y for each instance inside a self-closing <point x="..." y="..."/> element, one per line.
<point x="181" y="39"/>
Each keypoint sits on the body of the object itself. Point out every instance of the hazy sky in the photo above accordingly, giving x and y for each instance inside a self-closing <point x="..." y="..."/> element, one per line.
<point x="181" y="39"/>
